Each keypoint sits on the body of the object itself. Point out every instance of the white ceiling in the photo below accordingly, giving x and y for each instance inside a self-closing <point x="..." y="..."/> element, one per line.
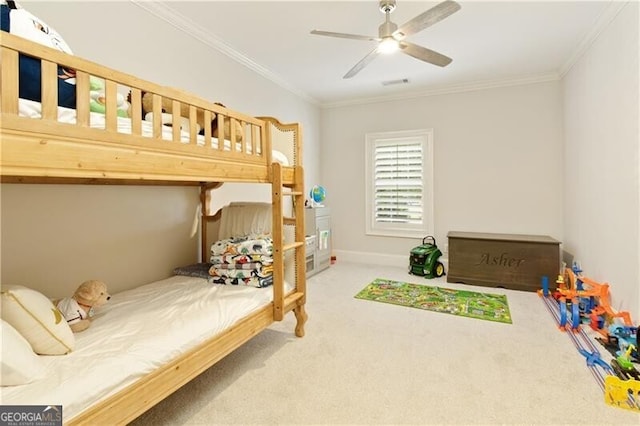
<point x="491" y="43"/>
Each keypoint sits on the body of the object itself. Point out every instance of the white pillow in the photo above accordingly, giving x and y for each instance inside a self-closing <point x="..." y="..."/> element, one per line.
<point x="23" y="24"/>
<point x="19" y="364"/>
<point x="279" y="157"/>
<point x="28" y="26"/>
<point x="37" y="320"/>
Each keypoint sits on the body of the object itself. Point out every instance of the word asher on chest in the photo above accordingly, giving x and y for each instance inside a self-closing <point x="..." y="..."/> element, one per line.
<point x="503" y="260"/>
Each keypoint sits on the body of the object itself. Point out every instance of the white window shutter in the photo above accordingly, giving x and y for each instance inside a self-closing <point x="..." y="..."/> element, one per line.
<point x="399" y="183"/>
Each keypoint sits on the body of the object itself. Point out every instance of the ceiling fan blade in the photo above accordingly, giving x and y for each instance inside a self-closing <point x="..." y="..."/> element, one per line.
<point x="343" y="35"/>
<point x="426" y="19"/>
<point x="363" y="63"/>
<point x="424" y="54"/>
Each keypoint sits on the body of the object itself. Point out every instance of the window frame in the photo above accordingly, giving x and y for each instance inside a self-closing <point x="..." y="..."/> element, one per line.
<point x="401" y="230"/>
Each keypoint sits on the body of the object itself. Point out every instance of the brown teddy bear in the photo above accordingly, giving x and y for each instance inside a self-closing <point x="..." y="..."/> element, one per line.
<point x="167" y="108"/>
<point x="227" y="127"/>
<point x="79" y="308"/>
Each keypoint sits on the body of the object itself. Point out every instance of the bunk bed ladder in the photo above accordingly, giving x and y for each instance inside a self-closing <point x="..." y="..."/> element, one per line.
<point x="295" y="300"/>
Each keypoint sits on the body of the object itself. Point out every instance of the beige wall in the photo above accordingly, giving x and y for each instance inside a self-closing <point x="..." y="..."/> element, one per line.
<point x="54" y="236"/>
<point x="497" y="165"/>
<point x="601" y="179"/>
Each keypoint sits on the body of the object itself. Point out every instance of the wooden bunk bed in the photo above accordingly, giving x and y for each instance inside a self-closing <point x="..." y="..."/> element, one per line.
<point x="45" y="150"/>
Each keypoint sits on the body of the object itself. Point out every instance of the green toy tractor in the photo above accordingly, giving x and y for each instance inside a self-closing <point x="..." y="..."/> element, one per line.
<point x="423" y="260"/>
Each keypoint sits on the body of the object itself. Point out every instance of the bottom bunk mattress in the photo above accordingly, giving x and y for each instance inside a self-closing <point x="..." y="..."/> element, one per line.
<point x="136" y="332"/>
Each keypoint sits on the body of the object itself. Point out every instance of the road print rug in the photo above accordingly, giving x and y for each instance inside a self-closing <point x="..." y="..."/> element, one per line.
<point x="472" y="304"/>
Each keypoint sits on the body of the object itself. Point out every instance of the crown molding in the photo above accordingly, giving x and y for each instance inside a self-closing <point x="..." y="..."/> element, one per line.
<point x="604" y="20"/>
<point x="451" y="88"/>
<point x="184" y="24"/>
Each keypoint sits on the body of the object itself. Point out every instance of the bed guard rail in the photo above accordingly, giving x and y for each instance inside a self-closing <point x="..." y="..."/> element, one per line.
<point x="196" y="124"/>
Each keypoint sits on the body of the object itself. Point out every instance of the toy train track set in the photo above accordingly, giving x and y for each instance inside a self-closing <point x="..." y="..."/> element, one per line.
<point x="579" y="301"/>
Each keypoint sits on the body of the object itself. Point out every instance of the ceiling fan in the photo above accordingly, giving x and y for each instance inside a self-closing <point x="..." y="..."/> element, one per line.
<point x="391" y="38"/>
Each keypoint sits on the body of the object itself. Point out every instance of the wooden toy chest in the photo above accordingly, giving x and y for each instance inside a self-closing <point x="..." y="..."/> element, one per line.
<point x="502" y="260"/>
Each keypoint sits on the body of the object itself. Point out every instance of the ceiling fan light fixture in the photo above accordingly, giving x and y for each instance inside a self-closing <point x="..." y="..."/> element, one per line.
<point x="392" y="38"/>
<point x="388" y="45"/>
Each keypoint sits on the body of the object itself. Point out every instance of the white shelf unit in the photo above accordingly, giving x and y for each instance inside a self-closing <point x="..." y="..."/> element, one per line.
<point x="318" y="225"/>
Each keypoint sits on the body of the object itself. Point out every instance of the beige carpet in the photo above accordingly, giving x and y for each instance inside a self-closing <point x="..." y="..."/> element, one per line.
<point x="373" y="363"/>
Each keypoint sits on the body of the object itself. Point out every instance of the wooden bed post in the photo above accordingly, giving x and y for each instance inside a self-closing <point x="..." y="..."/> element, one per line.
<point x="205" y="217"/>
<point x="277" y="231"/>
<point x="204" y="214"/>
<point x="301" y="264"/>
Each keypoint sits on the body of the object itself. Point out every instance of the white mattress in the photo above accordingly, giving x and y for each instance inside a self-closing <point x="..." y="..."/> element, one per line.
<point x="32" y="109"/>
<point x="137" y="331"/>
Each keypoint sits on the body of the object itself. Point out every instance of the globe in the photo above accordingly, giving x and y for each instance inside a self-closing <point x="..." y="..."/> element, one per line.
<point x="317" y="194"/>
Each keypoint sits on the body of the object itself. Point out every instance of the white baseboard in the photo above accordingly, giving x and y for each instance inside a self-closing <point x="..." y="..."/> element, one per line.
<point x="378" y="258"/>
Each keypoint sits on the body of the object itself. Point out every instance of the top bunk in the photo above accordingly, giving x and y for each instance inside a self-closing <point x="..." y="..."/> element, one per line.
<point x="117" y="128"/>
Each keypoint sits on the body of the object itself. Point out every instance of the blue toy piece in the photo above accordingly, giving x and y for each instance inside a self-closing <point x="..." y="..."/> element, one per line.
<point x="563" y="314"/>
<point x="627" y="337"/>
<point x="545" y="286"/>
<point x="576" y="268"/>
<point x="575" y="314"/>
<point x="593" y="358"/>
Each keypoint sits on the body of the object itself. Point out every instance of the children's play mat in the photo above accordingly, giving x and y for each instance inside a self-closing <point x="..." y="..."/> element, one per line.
<point x="472" y="304"/>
